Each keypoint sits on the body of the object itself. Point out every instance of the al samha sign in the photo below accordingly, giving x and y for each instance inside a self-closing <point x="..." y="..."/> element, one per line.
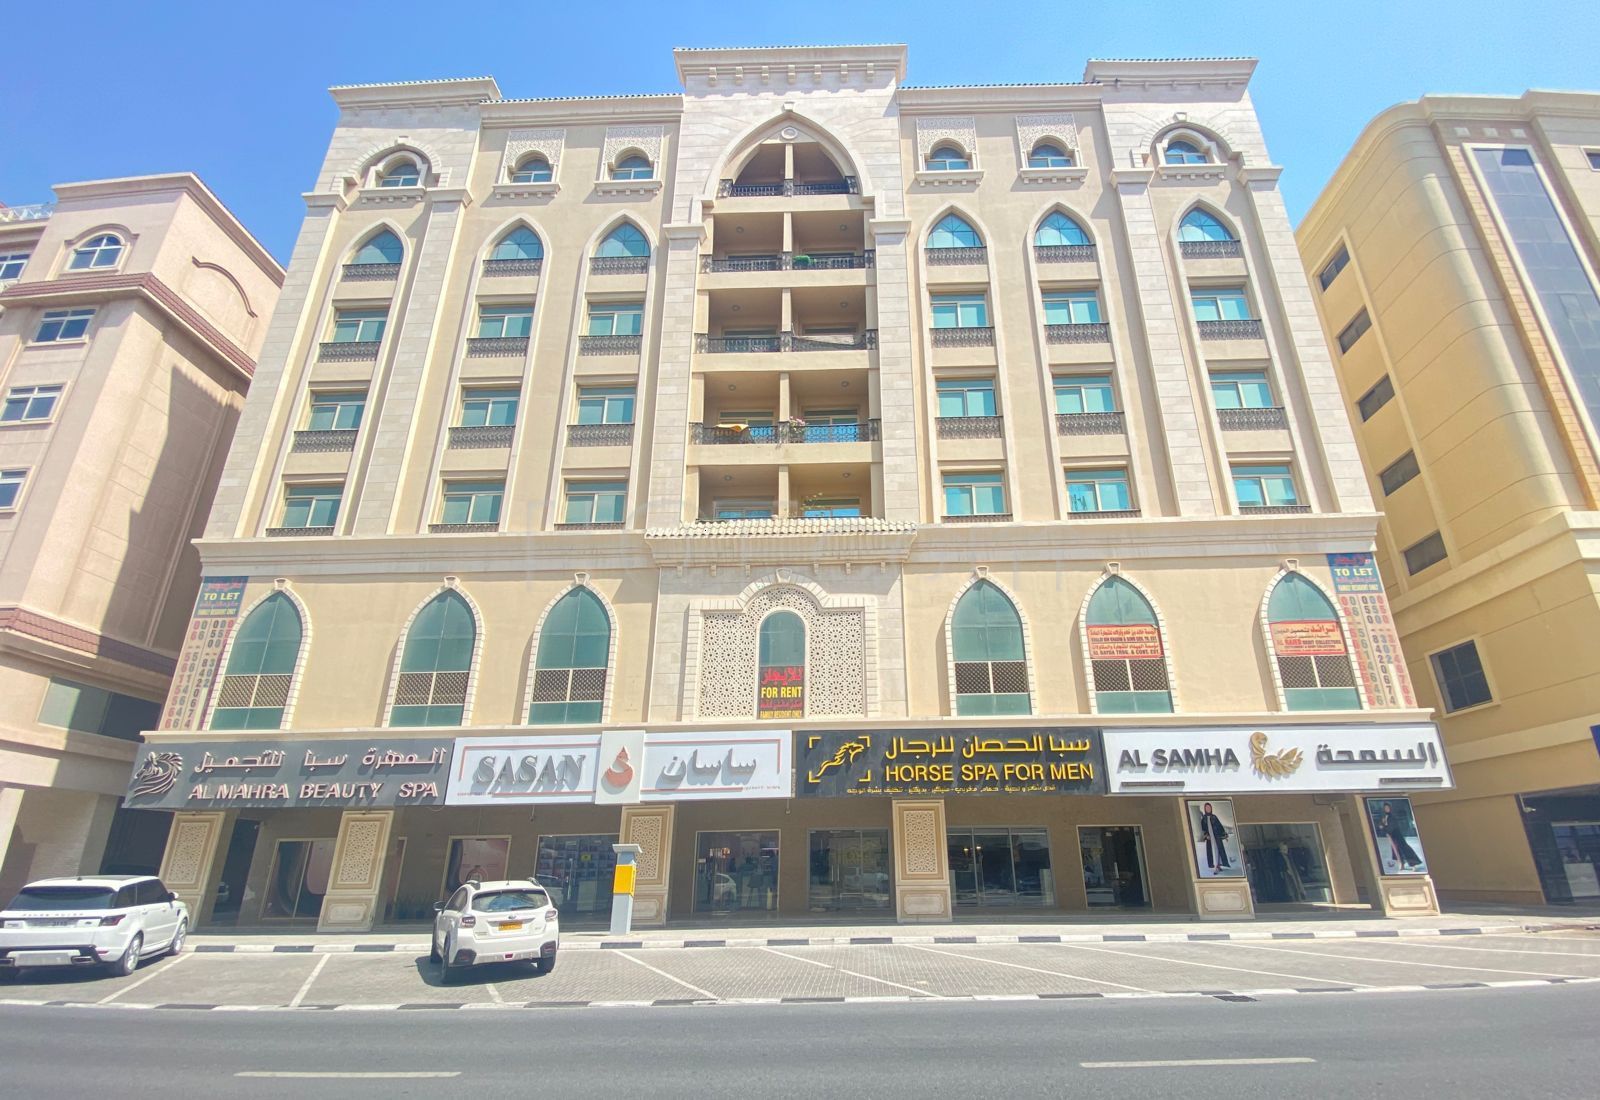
<point x="1038" y="760"/>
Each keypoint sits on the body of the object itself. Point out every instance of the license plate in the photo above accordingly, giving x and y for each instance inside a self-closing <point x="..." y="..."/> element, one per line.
<point x="42" y="958"/>
<point x="511" y="926"/>
<point x="52" y="922"/>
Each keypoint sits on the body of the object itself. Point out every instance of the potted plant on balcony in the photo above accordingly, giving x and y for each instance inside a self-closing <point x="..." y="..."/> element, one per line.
<point x="801" y="260"/>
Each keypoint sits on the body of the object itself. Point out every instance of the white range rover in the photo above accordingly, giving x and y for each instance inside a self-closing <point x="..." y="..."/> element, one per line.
<point x="115" y="921"/>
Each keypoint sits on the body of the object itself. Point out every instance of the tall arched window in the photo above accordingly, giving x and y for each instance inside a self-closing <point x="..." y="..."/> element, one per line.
<point x="624" y="240"/>
<point x="531" y="169"/>
<point x="986" y="641"/>
<point x="1125" y="652"/>
<point x="569" y="671"/>
<point x="102" y="251"/>
<point x="255" y="687"/>
<point x="436" y="664"/>
<point x="1197" y="225"/>
<point x="947" y="158"/>
<point x="781" y="667"/>
<point x="1049" y="155"/>
<point x="1180" y="151"/>
<point x="521" y="243"/>
<point x="1313" y="660"/>
<point x="1057" y="230"/>
<point x="634" y="167"/>
<point x="954" y="232"/>
<point x="381" y="248"/>
<point x="400" y="173"/>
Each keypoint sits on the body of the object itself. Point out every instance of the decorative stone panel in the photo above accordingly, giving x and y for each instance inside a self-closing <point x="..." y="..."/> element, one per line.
<point x="519" y="143"/>
<point x="835" y="648"/>
<point x="1032" y="129"/>
<point x="647" y="139"/>
<point x="962" y="130"/>
<point x="360" y="853"/>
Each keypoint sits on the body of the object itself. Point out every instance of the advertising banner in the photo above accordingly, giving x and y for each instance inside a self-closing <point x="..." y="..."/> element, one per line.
<point x="283" y="773"/>
<point x="694" y="766"/>
<point x="1040" y="760"/>
<point x="1242" y="760"/>
<point x="1307" y="638"/>
<point x="782" y="692"/>
<point x="1130" y="641"/>
<point x="1214" y="838"/>
<point x="527" y="769"/>
<point x="1394" y="831"/>
<point x="199" y="666"/>
<point x="1373" y="636"/>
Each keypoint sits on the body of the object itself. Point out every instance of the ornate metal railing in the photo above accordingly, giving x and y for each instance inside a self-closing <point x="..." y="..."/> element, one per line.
<point x="1207" y="250"/>
<point x="1108" y="513"/>
<point x="461" y="528"/>
<point x="324" y="440"/>
<point x="989" y="517"/>
<point x="357" y="273"/>
<point x="1090" y="332"/>
<point x="1274" y="509"/>
<point x="774" y="262"/>
<point x="847" y="185"/>
<point x="938" y="257"/>
<point x="599" y="435"/>
<point x="34" y="212"/>
<point x="481" y="347"/>
<point x="481" y="437"/>
<point x="1253" y="420"/>
<point x="619" y="265"/>
<point x="969" y="427"/>
<point x="787" y="431"/>
<point x="1063" y="253"/>
<point x="296" y="532"/>
<point x="610" y="345"/>
<point x="1091" y="423"/>
<point x="514" y="267"/>
<point x="791" y="261"/>
<point x="967" y="337"/>
<point x="607" y="525"/>
<point x="347" y="351"/>
<point x="1240" y="329"/>
<point x="785" y="341"/>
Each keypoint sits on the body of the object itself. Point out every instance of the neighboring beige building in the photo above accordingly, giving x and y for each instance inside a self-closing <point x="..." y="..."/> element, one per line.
<point x="1456" y="248"/>
<point x="131" y="311"/>
<point x="837" y="468"/>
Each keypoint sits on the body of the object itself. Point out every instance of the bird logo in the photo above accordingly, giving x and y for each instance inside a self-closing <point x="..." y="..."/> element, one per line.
<point x="157" y="775"/>
<point x="1272" y="765"/>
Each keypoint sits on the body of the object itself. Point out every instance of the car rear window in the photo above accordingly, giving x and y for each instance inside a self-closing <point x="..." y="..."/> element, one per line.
<point x="501" y="901"/>
<point x="40" y="898"/>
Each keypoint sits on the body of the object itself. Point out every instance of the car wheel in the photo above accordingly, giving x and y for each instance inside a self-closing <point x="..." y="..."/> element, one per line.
<point x="448" y="972"/>
<point x="433" y="947"/>
<point x="129" y="962"/>
<point x="176" y="946"/>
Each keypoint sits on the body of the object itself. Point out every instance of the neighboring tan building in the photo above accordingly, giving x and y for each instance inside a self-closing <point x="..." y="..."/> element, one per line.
<point x="806" y="478"/>
<point x="1456" y="249"/>
<point x="131" y="311"/>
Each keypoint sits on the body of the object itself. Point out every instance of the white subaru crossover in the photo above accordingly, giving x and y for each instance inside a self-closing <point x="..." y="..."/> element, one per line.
<point x="489" y="922"/>
<point x="110" y="921"/>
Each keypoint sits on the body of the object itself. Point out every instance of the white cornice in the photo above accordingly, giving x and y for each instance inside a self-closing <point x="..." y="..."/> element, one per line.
<point x="1155" y="72"/>
<point x="703" y="62"/>
<point x="461" y="92"/>
<point x="599" y="109"/>
<point x="1000" y="97"/>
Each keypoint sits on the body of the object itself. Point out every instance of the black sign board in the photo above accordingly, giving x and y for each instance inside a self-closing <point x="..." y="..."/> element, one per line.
<point x="1013" y="760"/>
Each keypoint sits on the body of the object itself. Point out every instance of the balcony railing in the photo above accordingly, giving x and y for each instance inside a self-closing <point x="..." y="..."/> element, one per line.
<point x="358" y="273"/>
<point x="514" y="267"/>
<point x="1107" y="513"/>
<point x="599" y="435"/>
<point x="347" y="351"/>
<point x="1063" y="253"/>
<point x="461" y="528"/>
<point x="988" y="517"/>
<point x="595" y="525"/>
<point x="1091" y="332"/>
<point x="1274" y="509"/>
<point x="1208" y="250"/>
<point x="297" y="532"/>
<point x="481" y="437"/>
<point x="969" y="427"/>
<point x="36" y="212"/>
<point x="1091" y="423"/>
<point x="486" y="347"/>
<point x="730" y="189"/>
<point x="1253" y="420"/>
<point x="785" y="341"/>
<point x="324" y="440"/>
<point x="791" y="261"/>
<point x="939" y="257"/>
<point x="1239" y="329"/>
<point x="610" y="345"/>
<point x="786" y="431"/>
<point x="970" y="336"/>
<point x="619" y="265"/>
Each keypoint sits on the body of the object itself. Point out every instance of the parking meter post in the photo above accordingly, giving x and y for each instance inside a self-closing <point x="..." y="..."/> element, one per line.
<point x="622" y="888"/>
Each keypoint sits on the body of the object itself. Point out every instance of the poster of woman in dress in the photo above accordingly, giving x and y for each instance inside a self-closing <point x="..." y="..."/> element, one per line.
<point x="1394" y="831"/>
<point x="1216" y="846"/>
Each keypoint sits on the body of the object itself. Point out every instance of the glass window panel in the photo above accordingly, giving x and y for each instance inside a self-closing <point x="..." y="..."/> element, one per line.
<point x="1058" y="229"/>
<point x="625" y="240"/>
<point x="954" y="232"/>
<point x="521" y="243"/>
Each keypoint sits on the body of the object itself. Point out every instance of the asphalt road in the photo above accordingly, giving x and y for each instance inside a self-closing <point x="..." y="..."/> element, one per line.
<point x="1535" y="1042"/>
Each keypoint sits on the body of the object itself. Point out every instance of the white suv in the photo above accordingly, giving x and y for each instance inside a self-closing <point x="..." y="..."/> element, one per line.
<point x="488" y="922"/>
<point x="111" y="920"/>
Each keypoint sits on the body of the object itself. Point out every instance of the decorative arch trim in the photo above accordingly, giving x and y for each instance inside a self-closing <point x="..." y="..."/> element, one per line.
<point x="1205" y="206"/>
<point x="450" y="585"/>
<point x="979" y="575"/>
<point x="1161" y="628"/>
<point x="498" y="232"/>
<point x="610" y="227"/>
<point x="749" y="141"/>
<point x="244" y="296"/>
<point x="381" y="153"/>
<point x="293" y="696"/>
<point x="1265" y="623"/>
<point x="538" y="635"/>
<point x="966" y="216"/>
<point x="373" y="231"/>
<point x="1058" y="207"/>
<point x="1182" y="129"/>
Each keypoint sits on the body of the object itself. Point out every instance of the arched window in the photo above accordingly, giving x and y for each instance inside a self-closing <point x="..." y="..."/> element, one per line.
<point x="400" y="173"/>
<point x="521" y="243"/>
<point x="1058" y="230"/>
<point x="781" y="671"/>
<point x="953" y="232"/>
<point x="633" y="167"/>
<point x="1125" y="651"/>
<point x="1049" y="155"/>
<point x="1197" y="225"/>
<point x="435" y="666"/>
<point x="1313" y="661"/>
<point x="947" y="158"/>
<point x="986" y="641"/>
<point x="383" y="248"/>
<point x="102" y="251"/>
<point x="569" y="671"/>
<point x="531" y="169"/>
<point x="255" y="687"/>
<point x="624" y="240"/>
<point x="1180" y="151"/>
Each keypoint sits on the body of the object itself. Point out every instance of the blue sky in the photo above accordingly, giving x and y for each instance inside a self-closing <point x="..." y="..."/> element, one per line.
<point x="237" y="91"/>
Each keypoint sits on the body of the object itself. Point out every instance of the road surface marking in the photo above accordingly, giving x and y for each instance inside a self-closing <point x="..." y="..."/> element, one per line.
<point x="1393" y="962"/>
<point x="1212" y="966"/>
<point x="1200" y="1062"/>
<point x="347" y="1075"/>
<point x="1453" y="946"/>
<point x="305" y="986"/>
<point x="1034" y="969"/>
<point x="154" y="972"/>
<point x="669" y="977"/>
<point x="494" y="994"/>
<point x="857" y="974"/>
<point x="797" y="958"/>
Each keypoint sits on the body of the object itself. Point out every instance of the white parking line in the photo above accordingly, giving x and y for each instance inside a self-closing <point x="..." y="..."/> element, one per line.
<point x="1390" y="962"/>
<point x="669" y="977"/>
<point x="1451" y="946"/>
<point x="347" y="1075"/>
<point x="1034" y="969"/>
<point x="154" y="972"/>
<point x="798" y="959"/>
<point x="857" y="974"/>
<point x="494" y="994"/>
<point x="1210" y="966"/>
<point x="1200" y="1062"/>
<point x="305" y="987"/>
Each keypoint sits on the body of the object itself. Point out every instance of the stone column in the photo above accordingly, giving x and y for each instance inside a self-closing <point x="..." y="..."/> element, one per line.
<point x="10" y="806"/>
<point x="900" y="496"/>
<point x="664" y="507"/>
<point x="351" y="903"/>
<point x="1213" y="898"/>
<point x="650" y="827"/>
<point x="1396" y="895"/>
<point x="921" y="861"/>
<point x="190" y="866"/>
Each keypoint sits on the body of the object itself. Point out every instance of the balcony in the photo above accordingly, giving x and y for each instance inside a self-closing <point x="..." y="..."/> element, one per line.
<point x="619" y="265"/>
<point x="950" y="257"/>
<point x="1096" y="332"/>
<point x="1064" y="253"/>
<point x="486" y="347"/>
<point x="1237" y="329"/>
<point x="461" y="528"/>
<point x="347" y="351"/>
<point x="610" y="345"/>
<point x="784" y="341"/>
<point x="481" y="437"/>
<point x="970" y="336"/>
<point x="786" y="431"/>
<point x="1108" y="513"/>
<point x="790" y="261"/>
<point x="37" y="212"/>
<point x="731" y="189"/>
<point x="493" y="268"/>
<point x="370" y="273"/>
<point x="1274" y="509"/>
<point x="297" y="532"/>
<point x="1272" y="418"/>
<point x="990" y="517"/>
<point x="601" y="526"/>
<point x="1210" y="250"/>
<point x="599" y="435"/>
<point x="324" y="440"/>
<point x="1091" y="423"/>
<point x="969" y="427"/>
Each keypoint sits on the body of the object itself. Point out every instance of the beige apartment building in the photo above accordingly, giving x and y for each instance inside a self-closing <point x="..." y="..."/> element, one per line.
<point x="1455" y="251"/>
<point x="131" y="311"/>
<point x="864" y="498"/>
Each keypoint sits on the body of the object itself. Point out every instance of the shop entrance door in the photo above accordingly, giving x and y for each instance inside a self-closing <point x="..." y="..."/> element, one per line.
<point x="299" y="878"/>
<point x="736" y="873"/>
<point x="1113" y="866"/>
<point x="1000" y="868"/>
<point x="1579" y="845"/>
<point x="578" y="870"/>
<point x="850" y="870"/>
<point x="1285" y="863"/>
<point x="235" y="872"/>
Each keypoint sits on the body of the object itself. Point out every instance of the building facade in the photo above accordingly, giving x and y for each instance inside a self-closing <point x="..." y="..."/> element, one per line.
<point x="130" y="314"/>
<point x="1455" y="251"/>
<point x="861" y="497"/>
